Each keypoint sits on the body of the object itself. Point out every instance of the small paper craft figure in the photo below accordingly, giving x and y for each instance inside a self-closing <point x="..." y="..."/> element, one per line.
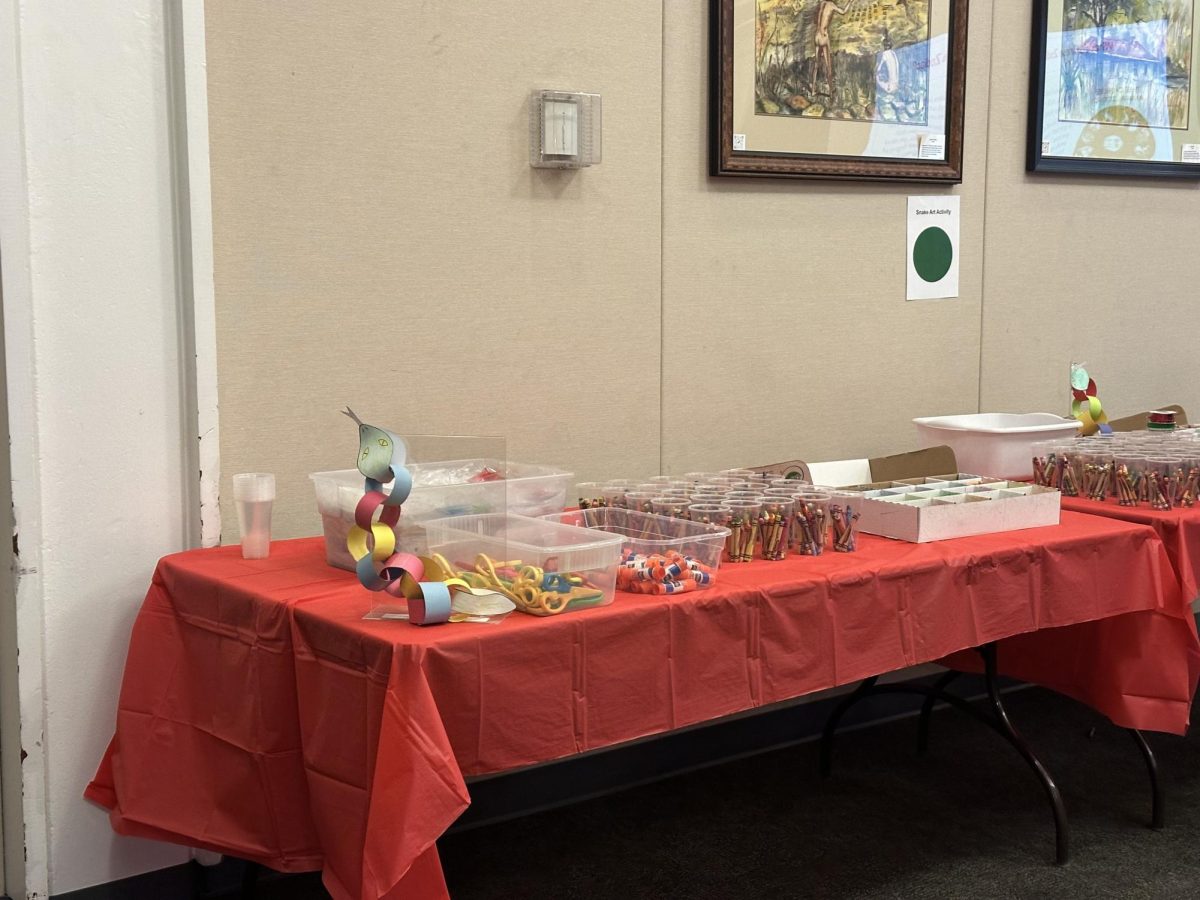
<point x="1085" y="405"/>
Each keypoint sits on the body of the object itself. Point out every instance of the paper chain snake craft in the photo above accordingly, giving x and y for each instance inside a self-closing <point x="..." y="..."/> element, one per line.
<point x="372" y="543"/>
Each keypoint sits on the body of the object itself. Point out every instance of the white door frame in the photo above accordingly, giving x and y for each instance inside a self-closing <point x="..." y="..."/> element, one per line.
<point x="185" y="70"/>
<point x="187" y="66"/>
<point x="22" y="417"/>
<point x="12" y="830"/>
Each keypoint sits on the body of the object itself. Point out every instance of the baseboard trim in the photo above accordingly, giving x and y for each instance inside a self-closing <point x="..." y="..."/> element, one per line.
<point x="512" y="795"/>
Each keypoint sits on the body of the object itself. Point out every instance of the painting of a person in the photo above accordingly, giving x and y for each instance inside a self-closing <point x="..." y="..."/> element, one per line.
<point x="825" y="12"/>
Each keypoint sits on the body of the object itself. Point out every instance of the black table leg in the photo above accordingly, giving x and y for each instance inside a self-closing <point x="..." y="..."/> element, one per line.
<point x="998" y="721"/>
<point x="835" y="719"/>
<point x="927" y="709"/>
<point x="1062" y="851"/>
<point x="1158" y="801"/>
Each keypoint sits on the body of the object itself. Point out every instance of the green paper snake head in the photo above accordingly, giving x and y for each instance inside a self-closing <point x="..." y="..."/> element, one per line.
<point x="377" y="450"/>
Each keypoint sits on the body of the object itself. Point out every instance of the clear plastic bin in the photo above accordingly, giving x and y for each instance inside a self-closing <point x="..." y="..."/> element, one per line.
<point x="584" y="561"/>
<point x="440" y="489"/>
<point x="649" y="535"/>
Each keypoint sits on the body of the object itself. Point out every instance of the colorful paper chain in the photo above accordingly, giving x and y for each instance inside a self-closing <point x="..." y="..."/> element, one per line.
<point x="372" y="542"/>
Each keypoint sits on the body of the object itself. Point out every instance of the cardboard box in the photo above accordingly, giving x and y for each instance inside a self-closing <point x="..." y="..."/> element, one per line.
<point x="931" y="462"/>
<point x="921" y="496"/>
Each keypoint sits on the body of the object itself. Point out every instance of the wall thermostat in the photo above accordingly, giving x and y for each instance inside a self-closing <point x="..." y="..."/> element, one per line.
<point x="564" y="130"/>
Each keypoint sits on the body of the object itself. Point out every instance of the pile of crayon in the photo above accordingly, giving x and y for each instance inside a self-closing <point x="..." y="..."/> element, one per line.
<point x="845" y="534"/>
<point x="811" y="522"/>
<point x="743" y="535"/>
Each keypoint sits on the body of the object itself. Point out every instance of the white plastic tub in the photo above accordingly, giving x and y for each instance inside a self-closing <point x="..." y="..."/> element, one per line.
<point x="998" y="444"/>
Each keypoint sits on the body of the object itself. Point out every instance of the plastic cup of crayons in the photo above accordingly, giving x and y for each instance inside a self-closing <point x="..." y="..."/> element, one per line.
<point x="721" y="482"/>
<point x="743" y="495"/>
<point x="739" y="474"/>
<point x="590" y="494"/>
<point x="743" y="530"/>
<point x="811" y="521"/>
<point x="782" y="491"/>
<point x="614" y="495"/>
<point x="774" y="526"/>
<point x="1098" y="469"/>
<point x="710" y="514"/>
<point x="1164" y="480"/>
<point x="792" y="484"/>
<point x="640" y="501"/>
<point x="1130" y="477"/>
<point x="674" y="506"/>
<point x="843" y="520"/>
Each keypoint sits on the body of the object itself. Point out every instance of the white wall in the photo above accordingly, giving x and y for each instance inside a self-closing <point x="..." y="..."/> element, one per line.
<point x="95" y="393"/>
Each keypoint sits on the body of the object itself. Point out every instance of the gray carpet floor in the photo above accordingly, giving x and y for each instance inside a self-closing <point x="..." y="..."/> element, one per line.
<point x="968" y="820"/>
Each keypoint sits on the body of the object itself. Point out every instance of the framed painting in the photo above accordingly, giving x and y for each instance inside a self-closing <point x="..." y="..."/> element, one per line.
<point x="840" y="89"/>
<point x="1112" y="88"/>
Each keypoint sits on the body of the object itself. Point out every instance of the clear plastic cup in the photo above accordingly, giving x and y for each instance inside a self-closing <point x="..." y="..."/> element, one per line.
<point x="254" y="496"/>
<point x="724" y="482"/>
<point x="1130" y="477"/>
<point x="1191" y="479"/>
<point x="675" y="507"/>
<point x="698" y="477"/>
<point x="1097" y="473"/>
<point x="710" y="514"/>
<point x="774" y="527"/>
<point x="811" y="523"/>
<point x="740" y="474"/>
<point x="782" y="491"/>
<point x="1164" y="480"/>
<point x="843" y="521"/>
<point x="796" y="484"/>
<point x="677" y="490"/>
<point x="1070" y="472"/>
<point x="640" y="501"/>
<point x="614" y="495"/>
<point x="743" y="530"/>
<point x="744" y="495"/>
<point x="590" y="494"/>
<point x="626" y="483"/>
<point x="660" y="480"/>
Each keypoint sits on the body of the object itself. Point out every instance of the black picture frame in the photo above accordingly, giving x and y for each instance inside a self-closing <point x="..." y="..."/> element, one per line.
<point x="725" y="161"/>
<point x="1077" y="165"/>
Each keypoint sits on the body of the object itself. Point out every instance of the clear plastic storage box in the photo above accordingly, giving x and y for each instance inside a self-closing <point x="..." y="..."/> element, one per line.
<point x="651" y="535"/>
<point x="577" y="563"/>
<point x="440" y="489"/>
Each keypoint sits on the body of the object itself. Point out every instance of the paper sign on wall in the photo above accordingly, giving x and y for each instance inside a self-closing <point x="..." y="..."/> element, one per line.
<point x="932" y="247"/>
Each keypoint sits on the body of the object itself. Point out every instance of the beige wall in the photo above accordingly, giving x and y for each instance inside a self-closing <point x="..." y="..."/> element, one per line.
<point x="382" y="242"/>
<point x="1098" y="270"/>
<point x="795" y="291"/>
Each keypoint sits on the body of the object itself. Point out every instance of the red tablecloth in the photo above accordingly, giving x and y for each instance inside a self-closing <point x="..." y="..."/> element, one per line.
<point x="1178" y="528"/>
<point x="262" y="717"/>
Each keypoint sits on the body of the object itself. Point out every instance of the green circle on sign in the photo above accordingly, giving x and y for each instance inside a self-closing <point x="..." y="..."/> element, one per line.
<point x="932" y="254"/>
